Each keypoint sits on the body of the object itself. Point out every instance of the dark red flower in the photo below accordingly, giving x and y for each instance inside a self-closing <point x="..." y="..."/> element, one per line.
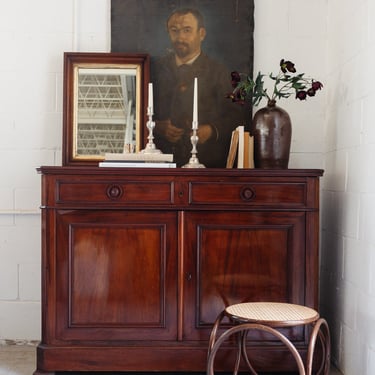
<point x="236" y="78"/>
<point x="316" y="85"/>
<point x="236" y="97"/>
<point x="287" y="66"/>
<point x="301" y="95"/>
<point x="311" y="92"/>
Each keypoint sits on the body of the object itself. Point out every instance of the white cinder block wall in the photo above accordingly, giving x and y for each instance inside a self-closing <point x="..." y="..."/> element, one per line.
<point x="330" y="40"/>
<point x="33" y="36"/>
<point x="348" y="199"/>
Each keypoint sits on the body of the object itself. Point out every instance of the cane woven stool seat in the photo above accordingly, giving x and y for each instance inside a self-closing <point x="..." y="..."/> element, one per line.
<point x="273" y="314"/>
<point x="268" y="317"/>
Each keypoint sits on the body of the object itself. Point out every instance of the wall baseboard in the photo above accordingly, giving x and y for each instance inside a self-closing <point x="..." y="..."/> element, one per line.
<point x="8" y="342"/>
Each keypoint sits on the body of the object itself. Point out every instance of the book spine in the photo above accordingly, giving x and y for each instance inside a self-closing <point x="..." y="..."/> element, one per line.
<point x="116" y="164"/>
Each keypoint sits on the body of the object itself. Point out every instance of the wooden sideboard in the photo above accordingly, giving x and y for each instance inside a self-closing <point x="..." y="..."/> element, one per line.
<point x="137" y="263"/>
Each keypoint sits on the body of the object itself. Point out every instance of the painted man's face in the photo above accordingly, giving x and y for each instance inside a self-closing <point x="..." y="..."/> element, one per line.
<point x="185" y="36"/>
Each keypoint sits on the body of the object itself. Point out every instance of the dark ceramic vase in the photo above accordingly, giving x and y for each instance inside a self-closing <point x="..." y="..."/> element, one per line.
<point x="272" y="131"/>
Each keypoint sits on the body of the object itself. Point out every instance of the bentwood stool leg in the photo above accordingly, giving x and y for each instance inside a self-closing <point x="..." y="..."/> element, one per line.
<point x="213" y="334"/>
<point x="320" y="330"/>
<point x="252" y="326"/>
<point x="243" y="351"/>
<point x="213" y="339"/>
<point x="239" y="337"/>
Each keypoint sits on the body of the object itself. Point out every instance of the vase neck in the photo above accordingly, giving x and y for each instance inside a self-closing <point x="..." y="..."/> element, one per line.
<point x="271" y="103"/>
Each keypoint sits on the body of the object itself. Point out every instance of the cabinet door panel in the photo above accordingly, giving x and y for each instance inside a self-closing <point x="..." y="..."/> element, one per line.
<point x="115" y="275"/>
<point x="238" y="257"/>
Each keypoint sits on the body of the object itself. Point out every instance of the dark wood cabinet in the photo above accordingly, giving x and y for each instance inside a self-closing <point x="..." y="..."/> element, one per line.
<point x="137" y="263"/>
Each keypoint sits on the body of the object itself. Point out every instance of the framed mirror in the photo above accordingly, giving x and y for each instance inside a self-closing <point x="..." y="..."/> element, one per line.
<point x="104" y="105"/>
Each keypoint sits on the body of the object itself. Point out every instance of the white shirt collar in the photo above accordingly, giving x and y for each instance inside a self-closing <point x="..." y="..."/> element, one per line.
<point x="179" y="62"/>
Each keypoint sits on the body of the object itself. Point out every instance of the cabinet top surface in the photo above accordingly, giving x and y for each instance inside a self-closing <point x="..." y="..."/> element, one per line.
<point x="206" y="172"/>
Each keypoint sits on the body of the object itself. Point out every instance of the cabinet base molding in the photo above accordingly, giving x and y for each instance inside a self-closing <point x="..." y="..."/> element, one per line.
<point x="154" y="359"/>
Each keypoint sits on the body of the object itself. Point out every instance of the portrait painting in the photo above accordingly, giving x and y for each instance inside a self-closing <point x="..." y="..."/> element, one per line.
<point x="189" y="41"/>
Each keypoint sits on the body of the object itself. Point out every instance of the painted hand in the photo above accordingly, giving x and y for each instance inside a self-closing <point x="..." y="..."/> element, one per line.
<point x="169" y="131"/>
<point x="204" y="133"/>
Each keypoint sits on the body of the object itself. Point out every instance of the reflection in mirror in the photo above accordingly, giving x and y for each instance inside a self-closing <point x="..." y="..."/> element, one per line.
<point x="106" y="118"/>
<point x="104" y="105"/>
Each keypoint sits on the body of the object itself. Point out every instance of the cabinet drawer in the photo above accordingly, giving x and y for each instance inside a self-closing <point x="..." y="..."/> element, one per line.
<point x="129" y="192"/>
<point x="258" y="193"/>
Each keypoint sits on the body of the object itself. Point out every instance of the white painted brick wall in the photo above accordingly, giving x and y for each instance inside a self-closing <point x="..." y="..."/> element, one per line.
<point x="8" y="280"/>
<point x="33" y="35"/>
<point x="348" y="209"/>
<point x="20" y="320"/>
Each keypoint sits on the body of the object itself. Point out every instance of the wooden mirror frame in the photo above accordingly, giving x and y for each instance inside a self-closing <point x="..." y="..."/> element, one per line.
<point x="97" y="60"/>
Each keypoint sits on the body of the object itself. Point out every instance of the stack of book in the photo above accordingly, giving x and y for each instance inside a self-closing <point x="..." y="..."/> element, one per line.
<point x="241" y="151"/>
<point x="138" y="160"/>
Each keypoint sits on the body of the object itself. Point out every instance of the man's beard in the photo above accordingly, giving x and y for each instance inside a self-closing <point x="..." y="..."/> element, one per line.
<point x="181" y="49"/>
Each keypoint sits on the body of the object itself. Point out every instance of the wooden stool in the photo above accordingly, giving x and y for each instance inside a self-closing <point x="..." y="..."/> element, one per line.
<point x="267" y="316"/>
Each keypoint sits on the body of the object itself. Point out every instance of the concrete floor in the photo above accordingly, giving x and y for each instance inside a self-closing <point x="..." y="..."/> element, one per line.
<point x="17" y="359"/>
<point x="20" y="360"/>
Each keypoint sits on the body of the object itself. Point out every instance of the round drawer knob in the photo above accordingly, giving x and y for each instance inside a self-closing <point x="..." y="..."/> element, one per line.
<point x="247" y="193"/>
<point x="114" y="192"/>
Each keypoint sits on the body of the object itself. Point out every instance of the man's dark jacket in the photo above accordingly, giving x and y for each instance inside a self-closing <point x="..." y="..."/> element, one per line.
<point x="173" y="93"/>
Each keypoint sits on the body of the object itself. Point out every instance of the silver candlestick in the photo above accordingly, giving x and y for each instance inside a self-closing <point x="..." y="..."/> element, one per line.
<point x="193" y="161"/>
<point x="150" y="146"/>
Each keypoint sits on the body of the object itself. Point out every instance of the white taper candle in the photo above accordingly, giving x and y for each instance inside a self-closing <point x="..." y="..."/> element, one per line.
<point x="195" y="104"/>
<point x="150" y="107"/>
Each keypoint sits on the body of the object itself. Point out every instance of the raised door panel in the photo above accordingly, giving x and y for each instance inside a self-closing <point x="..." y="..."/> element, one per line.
<point x="236" y="257"/>
<point x="115" y="275"/>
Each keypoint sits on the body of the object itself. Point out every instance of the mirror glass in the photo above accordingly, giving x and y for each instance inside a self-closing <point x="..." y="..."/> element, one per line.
<point x="106" y="110"/>
<point x="104" y="105"/>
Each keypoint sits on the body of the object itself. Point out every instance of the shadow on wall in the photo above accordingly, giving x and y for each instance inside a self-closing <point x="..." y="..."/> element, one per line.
<point x="330" y="271"/>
